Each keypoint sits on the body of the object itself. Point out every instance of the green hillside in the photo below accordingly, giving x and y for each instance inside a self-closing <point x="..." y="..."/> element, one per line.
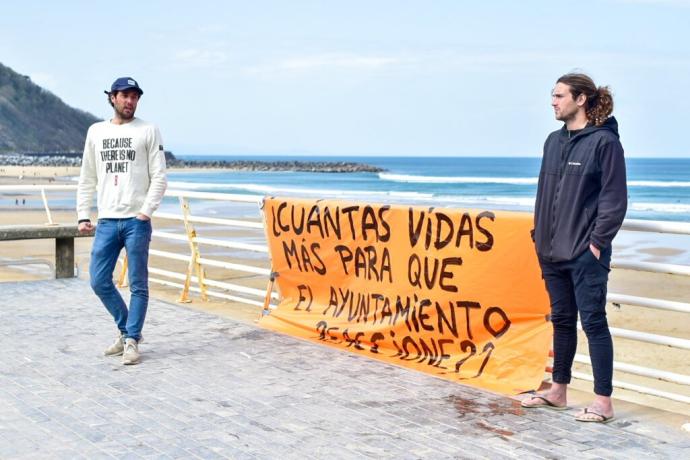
<point x="33" y="119"/>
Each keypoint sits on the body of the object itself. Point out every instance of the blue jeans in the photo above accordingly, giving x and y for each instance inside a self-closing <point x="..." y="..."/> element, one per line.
<point x="579" y="285"/>
<point x="111" y="236"/>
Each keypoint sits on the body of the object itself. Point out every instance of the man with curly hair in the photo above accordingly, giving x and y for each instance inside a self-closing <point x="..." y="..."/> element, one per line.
<point x="580" y="206"/>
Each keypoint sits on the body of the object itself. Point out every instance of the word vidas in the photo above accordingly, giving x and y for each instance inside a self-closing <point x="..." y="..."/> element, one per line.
<point x="440" y="230"/>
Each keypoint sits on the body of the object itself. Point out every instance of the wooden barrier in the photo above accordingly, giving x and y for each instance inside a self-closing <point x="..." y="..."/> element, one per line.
<point x="63" y="234"/>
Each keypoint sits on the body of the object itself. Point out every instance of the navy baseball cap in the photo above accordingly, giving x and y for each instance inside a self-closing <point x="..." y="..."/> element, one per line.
<point x="123" y="84"/>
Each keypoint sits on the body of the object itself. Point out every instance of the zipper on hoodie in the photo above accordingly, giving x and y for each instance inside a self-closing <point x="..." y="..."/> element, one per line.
<point x="565" y="152"/>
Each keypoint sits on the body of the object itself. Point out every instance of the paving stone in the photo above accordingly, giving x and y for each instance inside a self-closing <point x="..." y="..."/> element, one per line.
<point x="210" y="387"/>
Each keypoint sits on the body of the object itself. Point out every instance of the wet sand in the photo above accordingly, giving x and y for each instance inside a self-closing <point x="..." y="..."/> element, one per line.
<point x="24" y="175"/>
<point x="33" y="260"/>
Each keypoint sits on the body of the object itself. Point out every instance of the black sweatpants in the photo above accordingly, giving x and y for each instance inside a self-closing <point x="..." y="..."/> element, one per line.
<point x="579" y="286"/>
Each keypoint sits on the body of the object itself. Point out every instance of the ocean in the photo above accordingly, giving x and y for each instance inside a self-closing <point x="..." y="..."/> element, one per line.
<point x="659" y="189"/>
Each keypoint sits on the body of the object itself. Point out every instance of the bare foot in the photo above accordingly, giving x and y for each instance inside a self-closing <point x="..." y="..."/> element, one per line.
<point x="543" y="400"/>
<point x="601" y="410"/>
<point x="591" y="415"/>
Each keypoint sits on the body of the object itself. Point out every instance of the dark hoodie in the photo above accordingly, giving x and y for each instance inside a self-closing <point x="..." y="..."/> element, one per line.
<point x="582" y="195"/>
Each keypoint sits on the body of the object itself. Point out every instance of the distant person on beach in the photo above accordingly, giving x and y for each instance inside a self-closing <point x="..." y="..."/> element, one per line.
<point x="580" y="206"/>
<point x="124" y="160"/>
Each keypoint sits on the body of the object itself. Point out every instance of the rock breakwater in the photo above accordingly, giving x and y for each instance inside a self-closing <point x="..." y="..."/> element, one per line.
<point x="292" y="165"/>
<point x="15" y="159"/>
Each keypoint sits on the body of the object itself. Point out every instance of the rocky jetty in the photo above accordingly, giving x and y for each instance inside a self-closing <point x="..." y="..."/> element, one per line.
<point x="252" y="165"/>
<point x="72" y="159"/>
<point x="19" y="159"/>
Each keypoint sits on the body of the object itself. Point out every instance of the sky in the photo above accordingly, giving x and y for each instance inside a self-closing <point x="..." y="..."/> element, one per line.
<point x="361" y="78"/>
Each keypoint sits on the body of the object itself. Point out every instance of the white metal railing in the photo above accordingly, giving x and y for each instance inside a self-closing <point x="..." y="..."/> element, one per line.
<point x="215" y="196"/>
<point x="646" y="337"/>
<point x="211" y="220"/>
<point x="669" y="305"/>
<point x="643" y="371"/>
<point x="248" y="295"/>
<point x="235" y="287"/>
<point x="228" y="286"/>
<point x="213" y="242"/>
<point x="653" y="226"/>
<point x="42" y="190"/>
<point x="211" y="262"/>
<point x="194" y="260"/>
<point x="638" y="388"/>
<point x="37" y="188"/>
<point x="656" y="226"/>
<point x="197" y="263"/>
<point x="654" y="267"/>
<point x="678" y="228"/>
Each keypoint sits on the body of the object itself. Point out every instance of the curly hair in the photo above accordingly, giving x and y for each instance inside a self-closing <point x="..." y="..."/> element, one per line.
<point x="599" y="105"/>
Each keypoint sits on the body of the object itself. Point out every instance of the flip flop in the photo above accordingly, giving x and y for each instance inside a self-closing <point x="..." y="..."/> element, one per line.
<point x="588" y="415"/>
<point x="546" y="404"/>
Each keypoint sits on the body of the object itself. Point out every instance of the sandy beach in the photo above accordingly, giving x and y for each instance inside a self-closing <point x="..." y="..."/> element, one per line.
<point x="33" y="259"/>
<point x="27" y="175"/>
<point x="30" y="260"/>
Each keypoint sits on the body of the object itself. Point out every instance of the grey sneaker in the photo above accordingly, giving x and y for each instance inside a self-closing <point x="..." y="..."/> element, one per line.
<point x="116" y="348"/>
<point x="131" y="352"/>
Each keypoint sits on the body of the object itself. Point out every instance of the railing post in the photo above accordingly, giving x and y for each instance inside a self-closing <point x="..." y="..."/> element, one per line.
<point x="122" y="278"/>
<point x="64" y="257"/>
<point x="194" y="263"/>
<point x="45" y="204"/>
<point x="269" y="290"/>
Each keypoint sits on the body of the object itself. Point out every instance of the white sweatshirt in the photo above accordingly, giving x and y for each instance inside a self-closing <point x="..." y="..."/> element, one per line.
<point x="126" y="164"/>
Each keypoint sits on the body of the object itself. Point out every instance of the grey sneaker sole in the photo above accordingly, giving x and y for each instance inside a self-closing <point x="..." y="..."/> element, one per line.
<point x="117" y="353"/>
<point x="120" y="352"/>
<point x="131" y="352"/>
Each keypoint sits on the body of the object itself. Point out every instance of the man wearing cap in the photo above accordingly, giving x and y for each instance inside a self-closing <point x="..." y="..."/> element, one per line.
<point x="124" y="162"/>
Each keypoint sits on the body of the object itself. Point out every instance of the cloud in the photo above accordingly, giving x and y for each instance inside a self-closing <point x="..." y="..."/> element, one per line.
<point x="339" y="62"/>
<point x="211" y="28"/>
<point x="196" y="57"/>
<point x="521" y="60"/>
<point x="453" y="61"/>
<point x="681" y="3"/>
<point x="324" y="63"/>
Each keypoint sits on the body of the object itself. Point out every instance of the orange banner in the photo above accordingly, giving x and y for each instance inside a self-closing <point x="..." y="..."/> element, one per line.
<point x="452" y="292"/>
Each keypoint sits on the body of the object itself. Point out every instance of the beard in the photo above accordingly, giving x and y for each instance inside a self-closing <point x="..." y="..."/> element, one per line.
<point x="566" y="115"/>
<point x="124" y="114"/>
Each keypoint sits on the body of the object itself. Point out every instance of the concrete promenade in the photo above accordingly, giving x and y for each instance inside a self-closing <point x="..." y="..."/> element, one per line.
<point x="211" y="387"/>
